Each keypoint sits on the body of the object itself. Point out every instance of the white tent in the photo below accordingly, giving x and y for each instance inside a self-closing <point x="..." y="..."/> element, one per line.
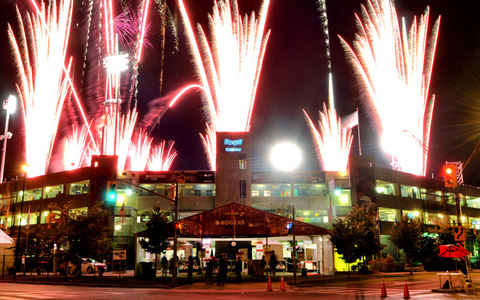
<point x="6" y="252"/>
<point x="5" y="240"/>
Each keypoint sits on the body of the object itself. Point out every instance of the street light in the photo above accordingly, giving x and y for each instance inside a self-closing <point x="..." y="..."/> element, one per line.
<point x="286" y="157"/>
<point x="10" y="105"/>
<point x="25" y="169"/>
<point x="116" y="64"/>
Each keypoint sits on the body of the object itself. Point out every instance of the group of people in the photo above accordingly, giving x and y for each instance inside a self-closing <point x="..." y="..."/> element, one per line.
<point x="222" y="264"/>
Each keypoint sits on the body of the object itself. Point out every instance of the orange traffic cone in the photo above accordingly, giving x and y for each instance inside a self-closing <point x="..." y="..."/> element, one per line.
<point x="269" y="285"/>
<point x="406" y="293"/>
<point x="282" y="284"/>
<point x="383" y="294"/>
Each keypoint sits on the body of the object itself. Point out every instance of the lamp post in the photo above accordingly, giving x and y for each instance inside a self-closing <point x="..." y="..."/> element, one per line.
<point x="25" y="169"/>
<point x="286" y="157"/>
<point x="116" y="64"/>
<point x="10" y="106"/>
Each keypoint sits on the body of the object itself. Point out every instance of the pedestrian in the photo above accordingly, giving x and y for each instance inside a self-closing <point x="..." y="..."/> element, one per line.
<point x="273" y="263"/>
<point x="209" y="272"/>
<point x="171" y="266"/>
<point x="164" y="265"/>
<point x="263" y="263"/>
<point x="238" y="269"/>
<point x="214" y="264"/>
<point x="222" y="271"/>
<point x="190" y="270"/>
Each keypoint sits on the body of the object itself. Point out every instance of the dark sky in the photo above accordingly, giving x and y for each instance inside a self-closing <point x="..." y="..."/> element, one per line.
<point x="294" y="77"/>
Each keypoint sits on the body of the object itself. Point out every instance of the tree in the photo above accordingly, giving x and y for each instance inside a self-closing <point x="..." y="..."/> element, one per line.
<point x="87" y="235"/>
<point x="355" y="236"/>
<point x="156" y="233"/>
<point x="407" y="236"/>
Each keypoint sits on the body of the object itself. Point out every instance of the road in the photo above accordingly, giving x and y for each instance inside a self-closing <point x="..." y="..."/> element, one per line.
<point x="366" y="290"/>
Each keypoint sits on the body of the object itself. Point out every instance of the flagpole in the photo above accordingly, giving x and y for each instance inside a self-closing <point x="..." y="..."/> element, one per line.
<point x="358" y="133"/>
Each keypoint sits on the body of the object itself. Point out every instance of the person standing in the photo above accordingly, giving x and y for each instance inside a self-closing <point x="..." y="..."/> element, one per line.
<point x="190" y="270"/>
<point x="209" y="272"/>
<point x="238" y="268"/>
<point x="273" y="263"/>
<point x="222" y="271"/>
<point x="164" y="265"/>
<point x="263" y="264"/>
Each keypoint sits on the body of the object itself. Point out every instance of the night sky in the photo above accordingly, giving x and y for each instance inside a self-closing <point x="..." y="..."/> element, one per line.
<point x="294" y="77"/>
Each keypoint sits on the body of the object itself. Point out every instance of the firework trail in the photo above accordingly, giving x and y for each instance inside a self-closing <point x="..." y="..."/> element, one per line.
<point x="139" y="151"/>
<point x="332" y="141"/>
<point x="394" y="66"/>
<point x="228" y="68"/>
<point x="161" y="159"/>
<point x="40" y="55"/>
<point x="229" y="65"/>
<point x="322" y="8"/>
<point x="209" y="141"/>
<point x="76" y="149"/>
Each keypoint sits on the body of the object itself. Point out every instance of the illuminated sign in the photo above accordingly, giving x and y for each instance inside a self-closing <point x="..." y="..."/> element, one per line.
<point x="232" y="145"/>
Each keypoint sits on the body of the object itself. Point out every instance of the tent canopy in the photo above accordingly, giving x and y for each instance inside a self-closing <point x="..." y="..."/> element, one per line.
<point x="5" y="240"/>
<point x="237" y="220"/>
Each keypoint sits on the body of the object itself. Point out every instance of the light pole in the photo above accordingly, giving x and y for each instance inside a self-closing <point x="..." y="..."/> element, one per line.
<point x="286" y="157"/>
<point x="25" y="169"/>
<point x="10" y="105"/>
<point x="116" y="64"/>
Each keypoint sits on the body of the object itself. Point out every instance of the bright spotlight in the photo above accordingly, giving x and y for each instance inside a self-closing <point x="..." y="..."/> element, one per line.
<point x="286" y="156"/>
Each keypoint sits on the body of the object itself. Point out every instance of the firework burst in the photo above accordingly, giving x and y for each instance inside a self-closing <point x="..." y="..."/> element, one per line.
<point x="332" y="141"/>
<point x="394" y="67"/>
<point x="76" y="150"/>
<point x="161" y="158"/>
<point x="40" y="55"/>
<point x="229" y="64"/>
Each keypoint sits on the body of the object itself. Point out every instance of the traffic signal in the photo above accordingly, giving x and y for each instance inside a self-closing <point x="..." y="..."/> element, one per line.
<point x="178" y="228"/>
<point x="450" y="175"/>
<point x="111" y="191"/>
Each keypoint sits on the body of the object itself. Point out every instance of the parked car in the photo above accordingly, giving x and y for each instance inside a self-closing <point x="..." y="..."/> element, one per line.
<point x="88" y="265"/>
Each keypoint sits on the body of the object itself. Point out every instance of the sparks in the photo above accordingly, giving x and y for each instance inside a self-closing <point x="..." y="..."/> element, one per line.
<point x="394" y="67"/>
<point x="229" y="64"/>
<point x="43" y="86"/>
<point x="332" y="141"/>
<point x="161" y="158"/>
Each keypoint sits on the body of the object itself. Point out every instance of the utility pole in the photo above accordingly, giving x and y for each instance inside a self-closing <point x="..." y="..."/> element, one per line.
<point x="294" y="247"/>
<point x="175" y="238"/>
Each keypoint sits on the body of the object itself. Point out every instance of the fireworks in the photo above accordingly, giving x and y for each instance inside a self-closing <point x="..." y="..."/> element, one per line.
<point x="229" y="65"/>
<point x="76" y="150"/>
<point x="139" y="151"/>
<point x="40" y="55"/>
<point x="161" y="158"/>
<point x="332" y="141"/>
<point x="394" y="67"/>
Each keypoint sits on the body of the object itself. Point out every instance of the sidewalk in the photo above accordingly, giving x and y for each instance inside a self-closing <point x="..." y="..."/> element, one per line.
<point x="110" y="279"/>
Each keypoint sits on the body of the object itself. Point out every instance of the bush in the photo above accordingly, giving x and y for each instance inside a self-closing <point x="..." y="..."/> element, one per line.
<point x="383" y="264"/>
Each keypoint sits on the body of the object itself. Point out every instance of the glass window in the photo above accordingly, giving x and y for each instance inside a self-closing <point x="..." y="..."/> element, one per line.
<point x="385" y="188"/>
<point x="82" y="187"/>
<point x="412" y="214"/>
<point x="410" y="192"/>
<point x="243" y="189"/>
<point x="53" y="191"/>
<point x="386" y="214"/>
<point x="242" y="162"/>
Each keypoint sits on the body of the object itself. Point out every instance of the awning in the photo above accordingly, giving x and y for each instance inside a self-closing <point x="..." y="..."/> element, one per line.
<point x="237" y="220"/>
<point x="5" y="240"/>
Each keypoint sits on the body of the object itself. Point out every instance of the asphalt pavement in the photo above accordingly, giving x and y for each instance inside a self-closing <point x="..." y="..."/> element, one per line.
<point x="127" y="279"/>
